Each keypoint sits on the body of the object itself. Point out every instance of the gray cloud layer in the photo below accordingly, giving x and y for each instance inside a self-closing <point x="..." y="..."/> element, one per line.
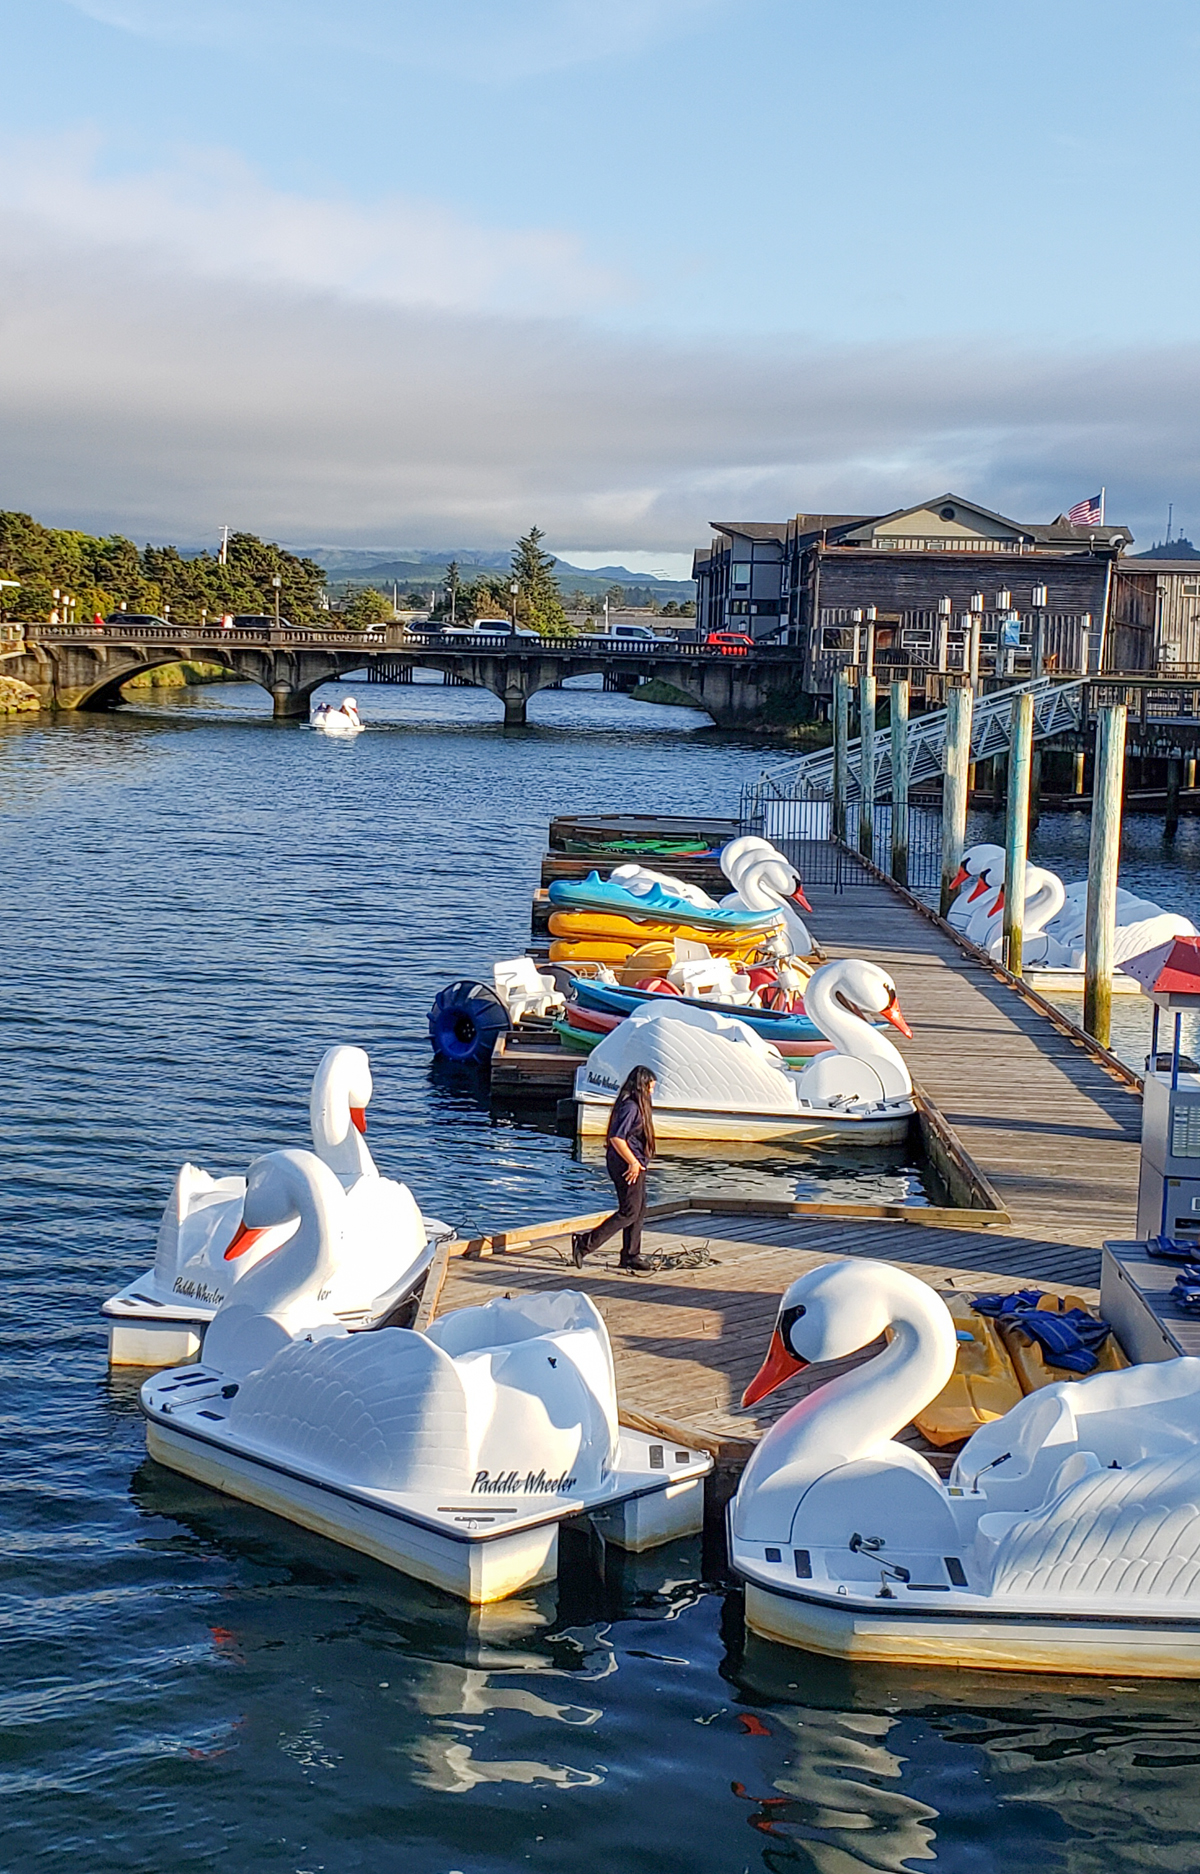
<point x="133" y="398"/>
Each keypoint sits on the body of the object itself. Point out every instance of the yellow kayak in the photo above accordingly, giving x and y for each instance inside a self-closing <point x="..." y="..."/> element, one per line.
<point x="634" y="932"/>
<point x="590" y="950"/>
<point x="983" y="1385"/>
<point x="1030" y="1364"/>
<point x="653" y="959"/>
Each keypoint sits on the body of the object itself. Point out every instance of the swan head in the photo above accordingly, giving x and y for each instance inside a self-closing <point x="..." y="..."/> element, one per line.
<point x="977" y="862"/>
<point x="341" y="1093"/>
<point x="834" y="1310"/>
<point x="862" y="988"/>
<point x="282" y="1187"/>
<point x="826" y="1314"/>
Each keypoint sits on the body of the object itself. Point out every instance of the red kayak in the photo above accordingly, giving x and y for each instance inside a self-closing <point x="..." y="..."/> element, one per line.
<point x="599" y="1022"/>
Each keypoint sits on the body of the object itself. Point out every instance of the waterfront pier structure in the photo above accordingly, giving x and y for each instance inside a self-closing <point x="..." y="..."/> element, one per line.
<point x="84" y="667"/>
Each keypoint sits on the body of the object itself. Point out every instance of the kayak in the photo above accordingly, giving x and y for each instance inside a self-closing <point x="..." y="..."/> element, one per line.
<point x="593" y="995"/>
<point x="662" y="907"/>
<point x="607" y="925"/>
<point x="983" y="1385"/>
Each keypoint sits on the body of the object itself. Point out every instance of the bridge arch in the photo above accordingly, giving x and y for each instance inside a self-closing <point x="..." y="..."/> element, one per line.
<point x="106" y="693"/>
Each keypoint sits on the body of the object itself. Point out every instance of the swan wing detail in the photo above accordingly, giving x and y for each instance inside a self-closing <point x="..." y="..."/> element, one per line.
<point x="1133" y="1533"/>
<point x="385" y="1411"/>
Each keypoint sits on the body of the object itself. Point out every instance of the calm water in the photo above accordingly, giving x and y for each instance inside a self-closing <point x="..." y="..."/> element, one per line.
<point x="197" y="905"/>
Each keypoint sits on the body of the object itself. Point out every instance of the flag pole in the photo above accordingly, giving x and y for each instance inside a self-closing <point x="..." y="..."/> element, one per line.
<point x="1102" y="507"/>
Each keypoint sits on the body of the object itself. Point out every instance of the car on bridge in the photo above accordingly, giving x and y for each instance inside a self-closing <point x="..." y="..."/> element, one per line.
<point x="730" y="643"/>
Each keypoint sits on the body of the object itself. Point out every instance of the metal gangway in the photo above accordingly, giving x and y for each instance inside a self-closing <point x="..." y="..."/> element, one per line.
<point x="1057" y="707"/>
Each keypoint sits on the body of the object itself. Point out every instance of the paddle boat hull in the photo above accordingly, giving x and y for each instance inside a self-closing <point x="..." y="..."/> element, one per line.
<point x="955" y="1634"/>
<point x="479" y="1547"/>
<point x="884" y="1125"/>
<point x="148" y="1329"/>
<point x="1050" y="982"/>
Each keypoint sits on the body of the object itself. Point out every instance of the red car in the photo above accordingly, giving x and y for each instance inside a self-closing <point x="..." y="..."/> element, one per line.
<point x="731" y="643"/>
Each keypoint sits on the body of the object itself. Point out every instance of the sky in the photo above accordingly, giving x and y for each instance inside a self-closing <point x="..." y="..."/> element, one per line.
<point x="420" y="273"/>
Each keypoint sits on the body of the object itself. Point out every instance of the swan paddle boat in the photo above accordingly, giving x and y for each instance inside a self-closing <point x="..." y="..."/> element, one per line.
<point x="385" y="1250"/>
<point x="1052" y="944"/>
<point x="452" y="1455"/>
<point x="1067" y="1538"/>
<point x="763" y="879"/>
<point x="337" y="719"/>
<point x="716" y="1078"/>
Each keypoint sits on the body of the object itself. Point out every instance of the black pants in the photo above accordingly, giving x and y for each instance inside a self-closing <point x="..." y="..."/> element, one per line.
<point x="629" y="1214"/>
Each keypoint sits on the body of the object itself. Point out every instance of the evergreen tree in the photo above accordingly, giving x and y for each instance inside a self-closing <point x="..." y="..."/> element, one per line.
<point x="539" y="601"/>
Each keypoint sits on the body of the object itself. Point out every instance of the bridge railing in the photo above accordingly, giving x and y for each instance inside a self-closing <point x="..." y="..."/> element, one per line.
<point x="396" y="639"/>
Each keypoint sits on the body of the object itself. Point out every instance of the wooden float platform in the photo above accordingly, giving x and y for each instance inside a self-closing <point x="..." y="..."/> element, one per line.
<point x="1052" y="1121"/>
<point x="687" y="1339"/>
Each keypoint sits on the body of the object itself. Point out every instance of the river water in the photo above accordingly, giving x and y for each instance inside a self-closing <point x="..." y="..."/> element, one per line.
<point x="197" y="904"/>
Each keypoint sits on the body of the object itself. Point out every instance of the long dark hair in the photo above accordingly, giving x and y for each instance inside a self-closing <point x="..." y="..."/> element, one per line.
<point x="636" y="1087"/>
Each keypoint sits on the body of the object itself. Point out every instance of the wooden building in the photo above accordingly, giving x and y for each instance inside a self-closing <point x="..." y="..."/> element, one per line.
<point x="1155" y="616"/>
<point x="919" y="585"/>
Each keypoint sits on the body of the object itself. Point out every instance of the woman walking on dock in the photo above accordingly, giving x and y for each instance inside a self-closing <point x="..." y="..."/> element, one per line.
<point x="629" y="1149"/>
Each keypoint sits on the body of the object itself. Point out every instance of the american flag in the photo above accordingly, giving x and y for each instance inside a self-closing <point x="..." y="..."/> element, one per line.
<point x="1085" y="513"/>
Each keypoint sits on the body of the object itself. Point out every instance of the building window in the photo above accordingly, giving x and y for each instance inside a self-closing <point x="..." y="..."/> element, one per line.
<point x="741" y="572"/>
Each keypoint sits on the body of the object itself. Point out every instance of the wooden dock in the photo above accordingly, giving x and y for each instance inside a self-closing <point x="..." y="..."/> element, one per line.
<point x="1054" y="1130"/>
<point x="1034" y="1129"/>
<point x="688" y="1338"/>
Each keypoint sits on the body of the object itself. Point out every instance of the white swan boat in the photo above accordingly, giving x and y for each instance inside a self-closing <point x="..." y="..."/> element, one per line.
<point x="452" y="1455"/>
<point x="159" y="1318"/>
<point x="337" y="719"/>
<point x="1066" y="1540"/>
<point x="764" y="879"/>
<point x="1052" y="947"/>
<point x="717" y="1079"/>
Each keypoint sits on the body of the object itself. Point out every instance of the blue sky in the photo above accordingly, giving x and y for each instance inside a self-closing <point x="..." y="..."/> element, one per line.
<point x="383" y="273"/>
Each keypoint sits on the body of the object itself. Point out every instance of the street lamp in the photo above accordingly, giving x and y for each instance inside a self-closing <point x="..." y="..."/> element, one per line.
<point x="277" y="582"/>
<point x="1037" y="649"/>
<point x="514" y="588"/>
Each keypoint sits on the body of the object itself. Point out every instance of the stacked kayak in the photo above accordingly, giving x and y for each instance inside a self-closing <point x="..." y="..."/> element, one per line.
<point x="580" y="1028"/>
<point x="1010" y="1346"/>
<point x="609" y="999"/>
<point x="603" y="920"/>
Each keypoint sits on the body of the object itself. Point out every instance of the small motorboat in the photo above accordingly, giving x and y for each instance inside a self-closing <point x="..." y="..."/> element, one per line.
<point x="159" y="1319"/>
<point x="453" y="1455"/>
<point x="716" y="1078"/>
<point x="1067" y="1538"/>
<point x="617" y="999"/>
<point x="337" y="719"/>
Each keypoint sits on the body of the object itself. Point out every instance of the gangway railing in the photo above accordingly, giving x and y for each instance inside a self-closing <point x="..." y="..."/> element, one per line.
<point x="1057" y="707"/>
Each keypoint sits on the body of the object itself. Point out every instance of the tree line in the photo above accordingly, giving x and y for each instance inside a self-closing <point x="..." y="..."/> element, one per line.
<point x="101" y="573"/>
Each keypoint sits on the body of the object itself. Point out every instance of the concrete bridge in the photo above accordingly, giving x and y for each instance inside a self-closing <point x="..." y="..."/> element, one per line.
<point x="83" y="667"/>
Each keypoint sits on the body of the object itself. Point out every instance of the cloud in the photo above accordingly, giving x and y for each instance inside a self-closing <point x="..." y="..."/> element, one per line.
<point x="476" y="39"/>
<point x="209" y="213"/>
<point x="166" y="404"/>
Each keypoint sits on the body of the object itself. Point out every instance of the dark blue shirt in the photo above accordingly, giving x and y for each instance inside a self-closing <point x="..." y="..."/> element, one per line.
<point x="626" y="1123"/>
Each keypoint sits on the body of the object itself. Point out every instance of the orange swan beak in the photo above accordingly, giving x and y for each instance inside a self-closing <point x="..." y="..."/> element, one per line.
<point x="244" y="1240"/>
<point x="358" y="1118"/>
<point x="780" y="1364"/>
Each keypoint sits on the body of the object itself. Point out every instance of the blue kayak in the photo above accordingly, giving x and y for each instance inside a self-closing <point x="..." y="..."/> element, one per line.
<point x="602" y="996"/>
<point x="594" y="893"/>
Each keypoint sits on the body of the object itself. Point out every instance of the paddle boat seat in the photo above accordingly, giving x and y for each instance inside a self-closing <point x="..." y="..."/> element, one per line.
<point x="523" y="989"/>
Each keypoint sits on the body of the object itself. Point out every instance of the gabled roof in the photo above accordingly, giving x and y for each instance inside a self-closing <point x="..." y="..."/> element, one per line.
<point x="949" y="499"/>
<point x="808" y="526"/>
<point x="1060" y="532"/>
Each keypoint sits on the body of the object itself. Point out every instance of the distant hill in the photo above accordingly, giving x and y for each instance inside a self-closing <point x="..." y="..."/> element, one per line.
<point x="420" y="571"/>
<point x="1180" y="548"/>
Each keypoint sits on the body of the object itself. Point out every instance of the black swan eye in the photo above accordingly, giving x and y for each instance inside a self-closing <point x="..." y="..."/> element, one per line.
<point x="787" y="1322"/>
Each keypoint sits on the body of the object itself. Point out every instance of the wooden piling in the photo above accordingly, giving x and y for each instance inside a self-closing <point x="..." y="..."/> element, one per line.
<point x="1171" y="822"/>
<point x="866" y="744"/>
<point x="1080" y="769"/>
<point x="899" y="740"/>
<point x="1104" y="853"/>
<point x="1016" y="828"/>
<point x="841" y="740"/>
<point x="957" y="760"/>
